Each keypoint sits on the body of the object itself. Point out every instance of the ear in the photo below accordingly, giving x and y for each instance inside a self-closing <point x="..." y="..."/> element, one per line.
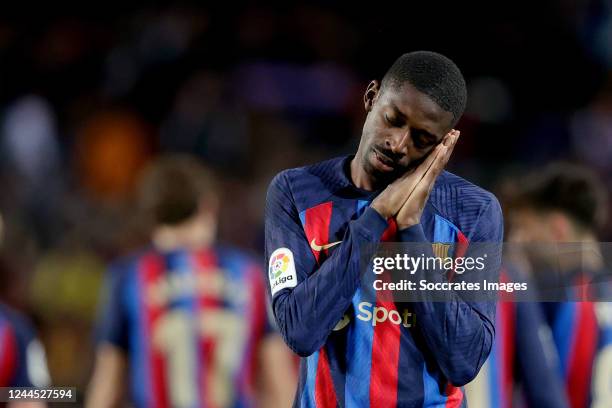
<point x="371" y="94"/>
<point x="560" y="226"/>
<point x="209" y="205"/>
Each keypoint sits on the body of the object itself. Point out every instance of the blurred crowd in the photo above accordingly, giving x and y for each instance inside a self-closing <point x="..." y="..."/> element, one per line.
<point x="88" y="97"/>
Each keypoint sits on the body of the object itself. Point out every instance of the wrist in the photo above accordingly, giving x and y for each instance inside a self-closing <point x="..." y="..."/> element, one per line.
<point x="407" y="223"/>
<point x="380" y="210"/>
<point x="415" y="233"/>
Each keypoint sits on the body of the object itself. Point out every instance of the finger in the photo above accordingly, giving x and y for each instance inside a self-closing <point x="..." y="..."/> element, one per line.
<point x="444" y="151"/>
<point x="408" y="183"/>
<point x="423" y="188"/>
<point x="447" y="143"/>
<point x="451" y="148"/>
<point x="441" y="161"/>
<point x="424" y="167"/>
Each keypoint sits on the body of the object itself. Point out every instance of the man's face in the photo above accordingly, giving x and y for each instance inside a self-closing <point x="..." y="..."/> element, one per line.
<point x="536" y="232"/>
<point x="529" y="226"/>
<point x="402" y="127"/>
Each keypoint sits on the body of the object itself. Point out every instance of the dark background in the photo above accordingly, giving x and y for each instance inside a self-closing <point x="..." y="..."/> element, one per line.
<point x="89" y="95"/>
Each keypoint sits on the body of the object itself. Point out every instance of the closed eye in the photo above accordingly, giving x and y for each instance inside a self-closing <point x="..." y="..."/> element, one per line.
<point x="422" y="139"/>
<point x="394" y="121"/>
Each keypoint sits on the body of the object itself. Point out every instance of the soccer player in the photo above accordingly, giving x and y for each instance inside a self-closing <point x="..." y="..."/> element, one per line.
<point x="320" y="217"/>
<point x="184" y="321"/>
<point x="564" y="204"/>
<point x="523" y="357"/>
<point x="22" y="358"/>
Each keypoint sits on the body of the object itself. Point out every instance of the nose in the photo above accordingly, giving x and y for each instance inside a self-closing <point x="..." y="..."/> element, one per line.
<point x="399" y="142"/>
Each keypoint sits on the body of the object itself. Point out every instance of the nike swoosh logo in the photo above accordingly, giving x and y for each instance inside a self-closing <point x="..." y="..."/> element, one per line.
<point x="319" y="248"/>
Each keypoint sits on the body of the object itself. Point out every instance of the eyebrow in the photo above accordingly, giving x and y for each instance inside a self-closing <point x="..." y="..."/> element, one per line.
<point x="427" y="134"/>
<point x="403" y="116"/>
<point x="397" y="111"/>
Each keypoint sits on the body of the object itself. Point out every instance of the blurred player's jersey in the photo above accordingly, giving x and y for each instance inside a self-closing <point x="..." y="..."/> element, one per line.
<point x="582" y="333"/>
<point x="191" y="323"/>
<point x="523" y="354"/>
<point x="317" y="222"/>
<point x="22" y="359"/>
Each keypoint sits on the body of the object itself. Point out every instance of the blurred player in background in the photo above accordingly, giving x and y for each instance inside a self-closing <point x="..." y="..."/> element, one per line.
<point x="184" y="322"/>
<point x="523" y="357"/>
<point x="564" y="204"/>
<point x="320" y="217"/>
<point x="22" y="357"/>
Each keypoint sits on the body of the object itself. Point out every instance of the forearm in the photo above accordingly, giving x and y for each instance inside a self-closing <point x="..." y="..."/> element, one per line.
<point x="277" y="380"/>
<point x="107" y="386"/>
<point x="461" y="332"/>
<point x="537" y="365"/>
<point x="308" y="313"/>
<point x="461" y="337"/>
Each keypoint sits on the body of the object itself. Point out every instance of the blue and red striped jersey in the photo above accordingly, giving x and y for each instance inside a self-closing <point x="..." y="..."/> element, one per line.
<point x="582" y="333"/>
<point x="22" y="360"/>
<point x="190" y="322"/>
<point x="523" y="358"/>
<point x="317" y="223"/>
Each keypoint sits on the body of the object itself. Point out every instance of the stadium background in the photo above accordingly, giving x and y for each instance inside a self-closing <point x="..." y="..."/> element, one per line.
<point x="89" y="95"/>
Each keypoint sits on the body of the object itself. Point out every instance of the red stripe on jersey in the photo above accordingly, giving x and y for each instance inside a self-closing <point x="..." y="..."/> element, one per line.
<point x="385" y="344"/>
<point x="151" y="271"/>
<point x="8" y="356"/>
<point x="581" y="362"/>
<point x="454" y="396"/>
<point x="460" y="250"/>
<point x="316" y="226"/>
<point x="385" y="359"/>
<point x="391" y="231"/>
<point x="317" y="220"/>
<point x="206" y="270"/>
<point x="507" y="312"/>
<point x="325" y="395"/>
<point x="463" y="244"/>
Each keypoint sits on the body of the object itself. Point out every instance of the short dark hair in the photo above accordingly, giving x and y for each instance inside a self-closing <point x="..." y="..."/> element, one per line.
<point x="432" y="74"/>
<point x="172" y="189"/>
<point x="569" y="188"/>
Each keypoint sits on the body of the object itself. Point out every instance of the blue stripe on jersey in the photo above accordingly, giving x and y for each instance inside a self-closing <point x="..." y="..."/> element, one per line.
<point x="432" y="397"/>
<point x="564" y="324"/>
<point x="141" y="380"/>
<point x="410" y="373"/>
<point x="303" y="218"/>
<point x="605" y="336"/>
<point x="361" y="206"/>
<point x="308" y="395"/>
<point x="444" y="230"/>
<point x="494" y="371"/>
<point x="359" y="350"/>
<point x="298" y="401"/>
<point x="233" y="268"/>
<point x="359" y="359"/>
<point x="234" y="273"/>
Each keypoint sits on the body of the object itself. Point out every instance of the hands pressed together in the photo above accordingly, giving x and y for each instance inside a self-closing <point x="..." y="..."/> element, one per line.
<point x="405" y="198"/>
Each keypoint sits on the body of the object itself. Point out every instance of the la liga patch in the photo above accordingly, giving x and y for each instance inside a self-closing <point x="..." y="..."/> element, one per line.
<point x="281" y="270"/>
